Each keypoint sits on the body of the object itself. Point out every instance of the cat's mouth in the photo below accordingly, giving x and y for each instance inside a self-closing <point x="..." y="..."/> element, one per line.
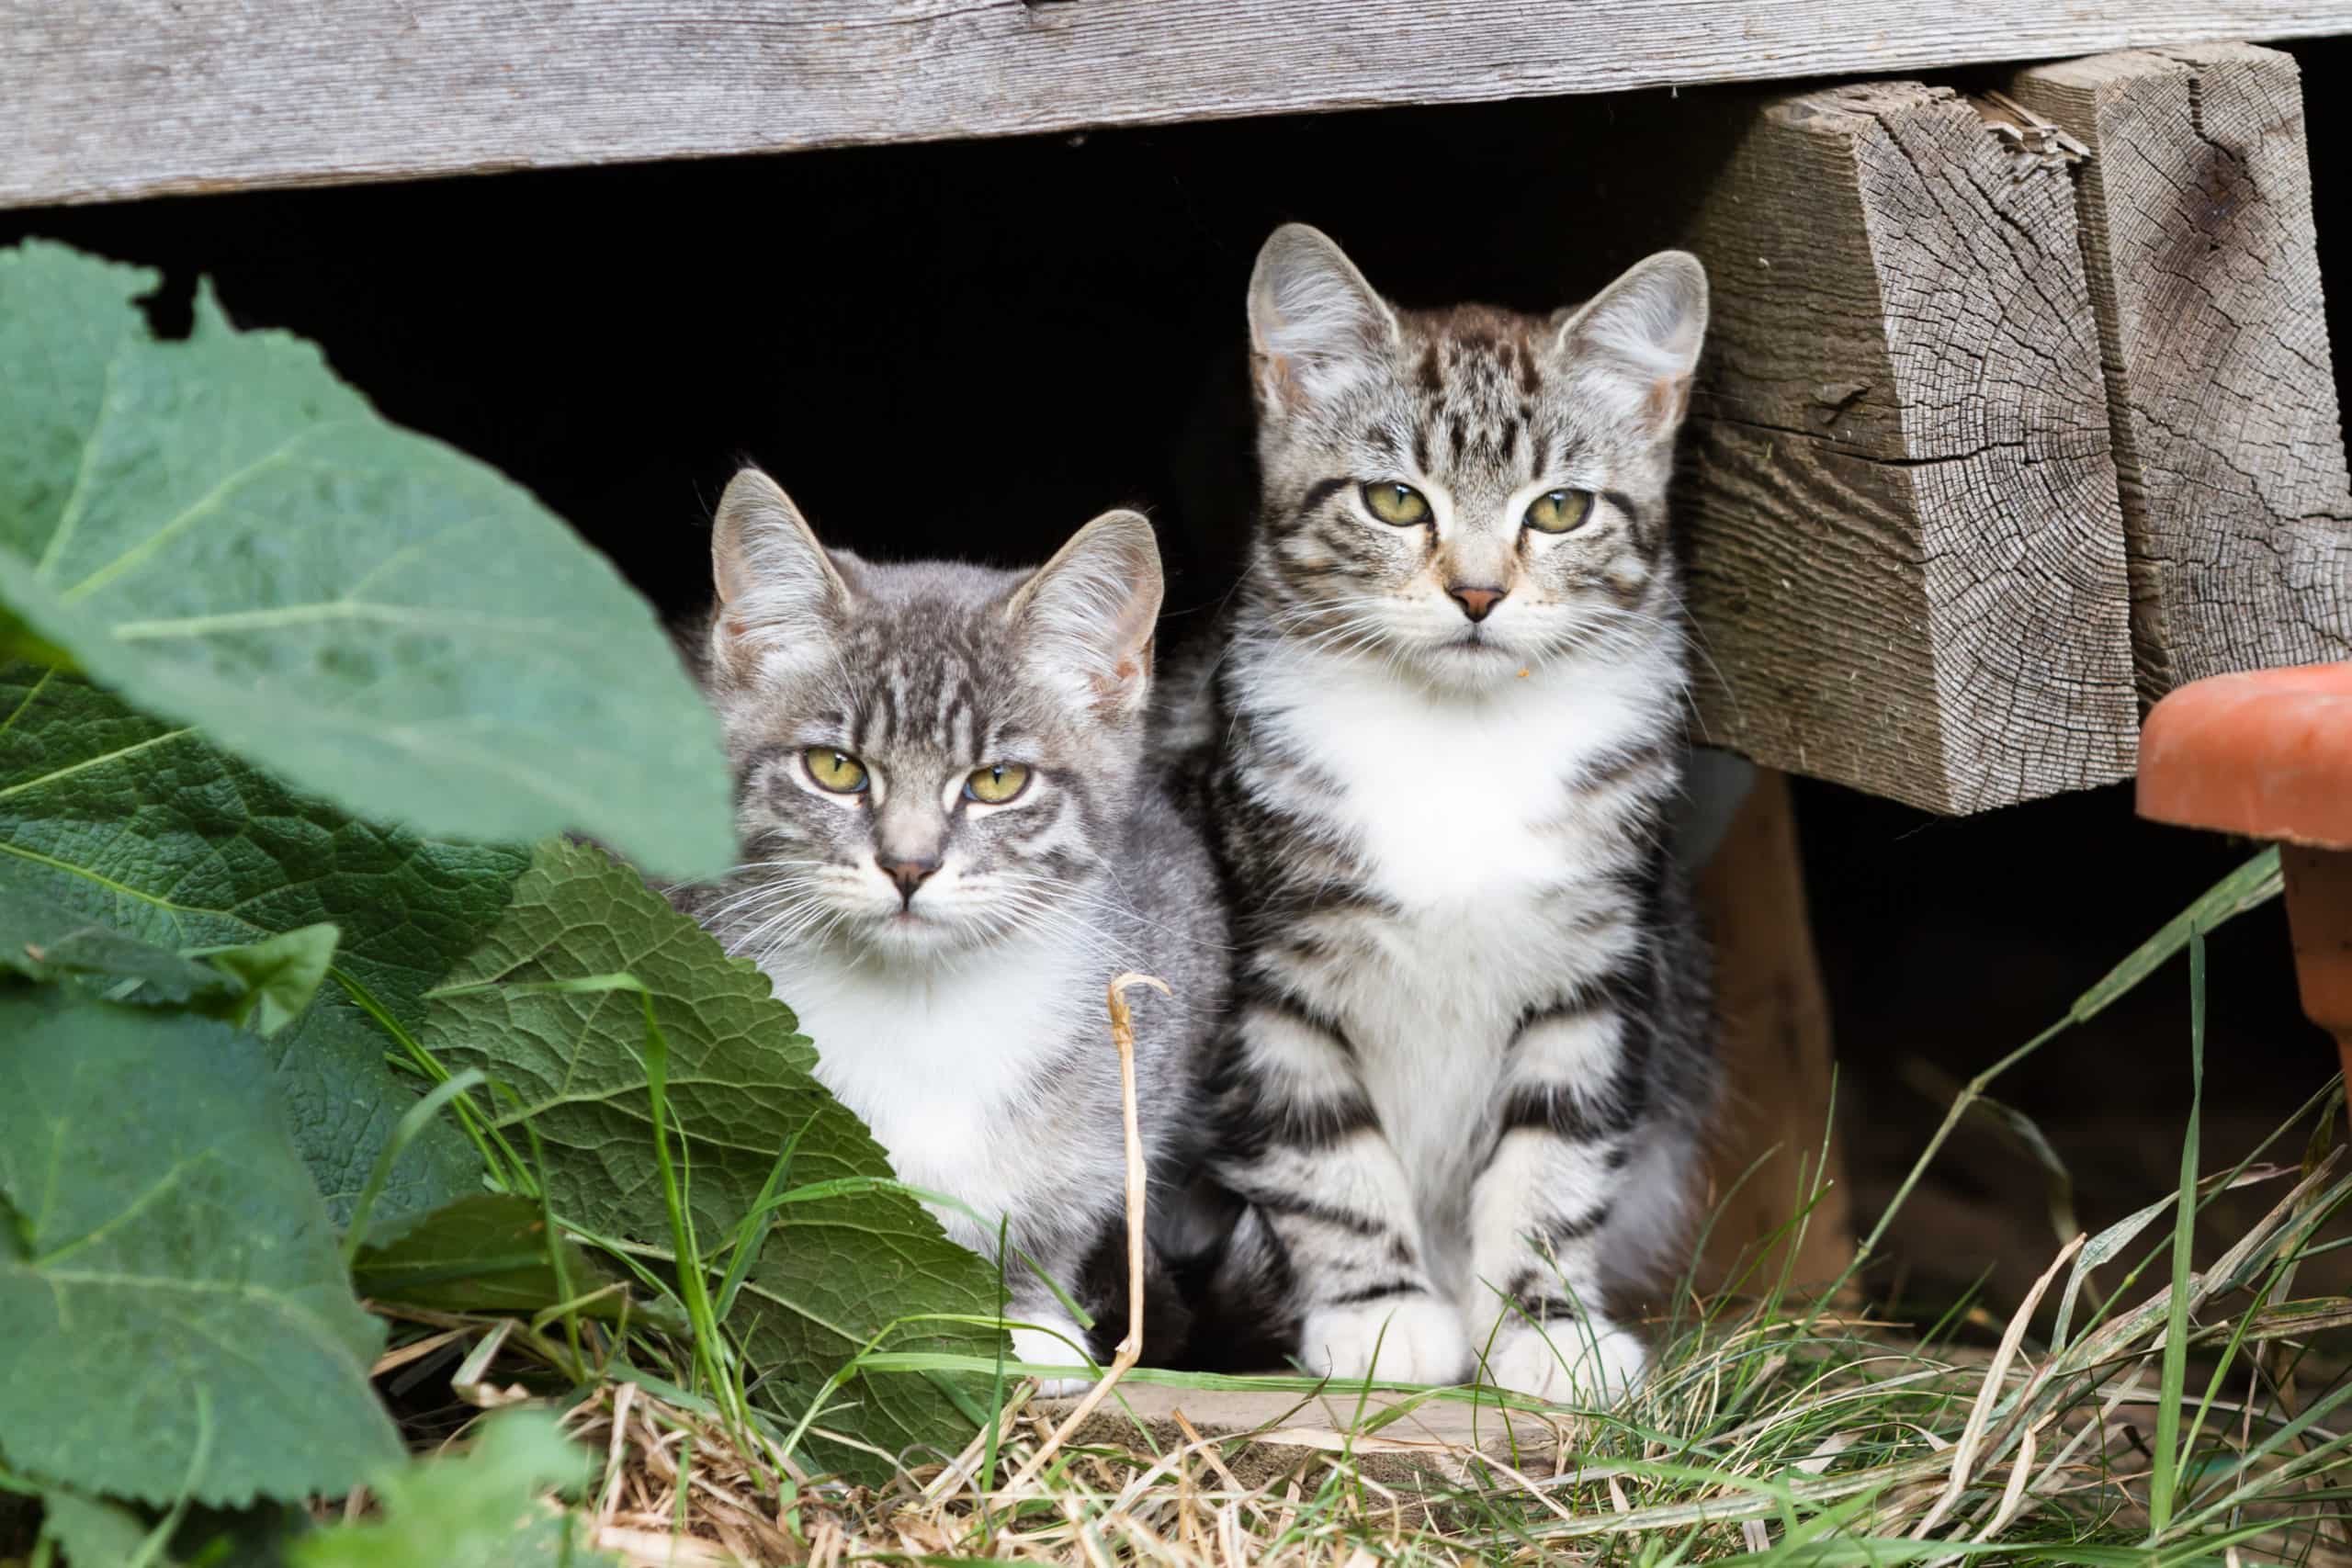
<point x="1475" y="643"/>
<point x="1474" y="658"/>
<point x="906" y="933"/>
<point x="914" y="933"/>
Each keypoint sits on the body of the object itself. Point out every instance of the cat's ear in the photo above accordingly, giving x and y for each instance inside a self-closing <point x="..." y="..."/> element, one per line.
<point x="1085" y="618"/>
<point x="1316" y="326"/>
<point x="779" y="593"/>
<point x="1646" y="329"/>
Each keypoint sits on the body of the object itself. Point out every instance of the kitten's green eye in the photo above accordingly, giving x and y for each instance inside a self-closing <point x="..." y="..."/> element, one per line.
<point x="1399" y="505"/>
<point x="995" y="785"/>
<point x="1559" y="511"/>
<point x="836" y="771"/>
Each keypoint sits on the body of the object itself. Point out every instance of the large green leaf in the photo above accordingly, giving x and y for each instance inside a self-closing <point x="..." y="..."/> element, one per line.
<point x="834" y="1270"/>
<point x="113" y="819"/>
<point x="225" y="532"/>
<point x="178" y="1320"/>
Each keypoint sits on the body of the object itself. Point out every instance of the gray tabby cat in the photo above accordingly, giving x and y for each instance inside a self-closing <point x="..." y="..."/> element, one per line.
<point x="1470" y="1053"/>
<point x="950" y="848"/>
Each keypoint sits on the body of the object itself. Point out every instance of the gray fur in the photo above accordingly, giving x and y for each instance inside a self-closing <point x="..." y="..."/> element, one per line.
<point x="1471" y="1049"/>
<point x="970" y="1032"/>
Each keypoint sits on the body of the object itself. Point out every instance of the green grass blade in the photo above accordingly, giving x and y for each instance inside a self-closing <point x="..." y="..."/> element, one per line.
<point x="751" y="1231"/>
<point x="2249" y="886"/>
<point x="412" y="1122"/>
<point x="2164" y="1477"/>
<point x="552" y="1235"/>
<point x="507" y="1172"/>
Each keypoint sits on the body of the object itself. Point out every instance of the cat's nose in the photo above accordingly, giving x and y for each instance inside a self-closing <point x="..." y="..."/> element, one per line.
<point x="1475" y="602"/>
<point x="908" y="875"/>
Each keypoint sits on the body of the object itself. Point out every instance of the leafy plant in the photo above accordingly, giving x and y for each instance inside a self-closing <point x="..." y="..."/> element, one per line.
<point x="479" y="1509"/>
<point x="112" y="820"/>
<point x="836" y="1270"/>
<point x="266" y="647"/>
<point x="179" y="1321"/>
<point x="491" y="1252"/>
<point x="230" y="537"/>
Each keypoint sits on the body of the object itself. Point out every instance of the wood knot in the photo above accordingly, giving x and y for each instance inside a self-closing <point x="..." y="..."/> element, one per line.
<point x="1834" y="397"/>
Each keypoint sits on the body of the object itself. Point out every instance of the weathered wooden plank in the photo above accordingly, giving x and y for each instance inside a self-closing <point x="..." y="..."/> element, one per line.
<point x="1907" y="561"/>
<point x="113" y="98"/>
<point x="1407" y="1441"/>
<point x="2196" y="208"/>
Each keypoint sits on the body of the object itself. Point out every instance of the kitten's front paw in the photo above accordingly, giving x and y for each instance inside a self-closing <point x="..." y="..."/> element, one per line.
<point x="1566" y="1361"/>
<point x="1040" y="1349"/>
<point x="1417" y="1338"/>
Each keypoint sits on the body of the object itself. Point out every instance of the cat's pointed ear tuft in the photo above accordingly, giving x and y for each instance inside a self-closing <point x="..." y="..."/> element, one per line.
<point x="1646" y="329"/>
<point x="1316" y="326"/>
<point x="1086" y="618"/>
<point x="780" y="595"/>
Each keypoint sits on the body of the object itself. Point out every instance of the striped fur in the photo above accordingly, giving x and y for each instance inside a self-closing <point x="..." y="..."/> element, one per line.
<point x="1469" y="1053"/>
<point x="964" y="1022"/>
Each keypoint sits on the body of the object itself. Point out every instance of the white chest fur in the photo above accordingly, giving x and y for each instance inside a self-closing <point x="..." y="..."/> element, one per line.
<point x="933" y="1061"/>
<point x="1453" y="800"/>
<point x="1454" y="804"/>
<point x="1446" y="792"/>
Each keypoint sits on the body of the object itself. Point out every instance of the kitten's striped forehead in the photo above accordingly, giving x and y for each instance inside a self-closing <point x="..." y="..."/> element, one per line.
<point x="1483" y="403"/>
<point x="927" y="683"/>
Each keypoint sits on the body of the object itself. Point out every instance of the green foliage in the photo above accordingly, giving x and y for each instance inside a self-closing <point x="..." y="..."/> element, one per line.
<point x="479" y="1509"/>
<point x="255" y="644"/>
<point x="487" y="1253"/>
<point x="111" y="819"/>
<point x="267" y="983"/>
<point x="280" y="974"/>
<point x="228" y="535"/>
<point x="179" y="1323"/>
<point x="41" y="944"/>
<point x="834" y="1272"/>
<point x="97" y="1533"/>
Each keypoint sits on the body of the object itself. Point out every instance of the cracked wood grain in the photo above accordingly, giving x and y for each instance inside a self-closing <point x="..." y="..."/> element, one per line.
<point x="2196" y="211"/>
<point x="115" y="98"/>
<point x="1906" y="546"/>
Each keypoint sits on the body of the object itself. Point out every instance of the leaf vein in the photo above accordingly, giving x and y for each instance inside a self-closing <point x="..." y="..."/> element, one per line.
<point x="207" y="504"/>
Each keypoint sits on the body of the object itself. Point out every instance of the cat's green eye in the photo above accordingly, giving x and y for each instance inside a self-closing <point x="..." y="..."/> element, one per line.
<point x="1559" y="511"/>
<point x="833" y="770"/>
<point x="1399" y="505"/>
<point x="996" y="785"/>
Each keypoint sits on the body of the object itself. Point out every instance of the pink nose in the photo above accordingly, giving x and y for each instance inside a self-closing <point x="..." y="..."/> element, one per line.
<point x="1477" y="602"/>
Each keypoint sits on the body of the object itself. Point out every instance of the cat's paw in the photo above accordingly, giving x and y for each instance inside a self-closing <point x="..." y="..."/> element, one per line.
<point x="1041" y="1349"/>
<point x="1417" y="1339"/>
<point x="1566" y="1361"/>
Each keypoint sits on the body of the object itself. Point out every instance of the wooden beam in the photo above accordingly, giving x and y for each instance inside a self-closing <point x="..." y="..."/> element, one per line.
<point x="1906" y="550"/>
<point x="2196" y="208"/>
<point x="114" y="98"/>
<point x="1774" y="1134"/>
